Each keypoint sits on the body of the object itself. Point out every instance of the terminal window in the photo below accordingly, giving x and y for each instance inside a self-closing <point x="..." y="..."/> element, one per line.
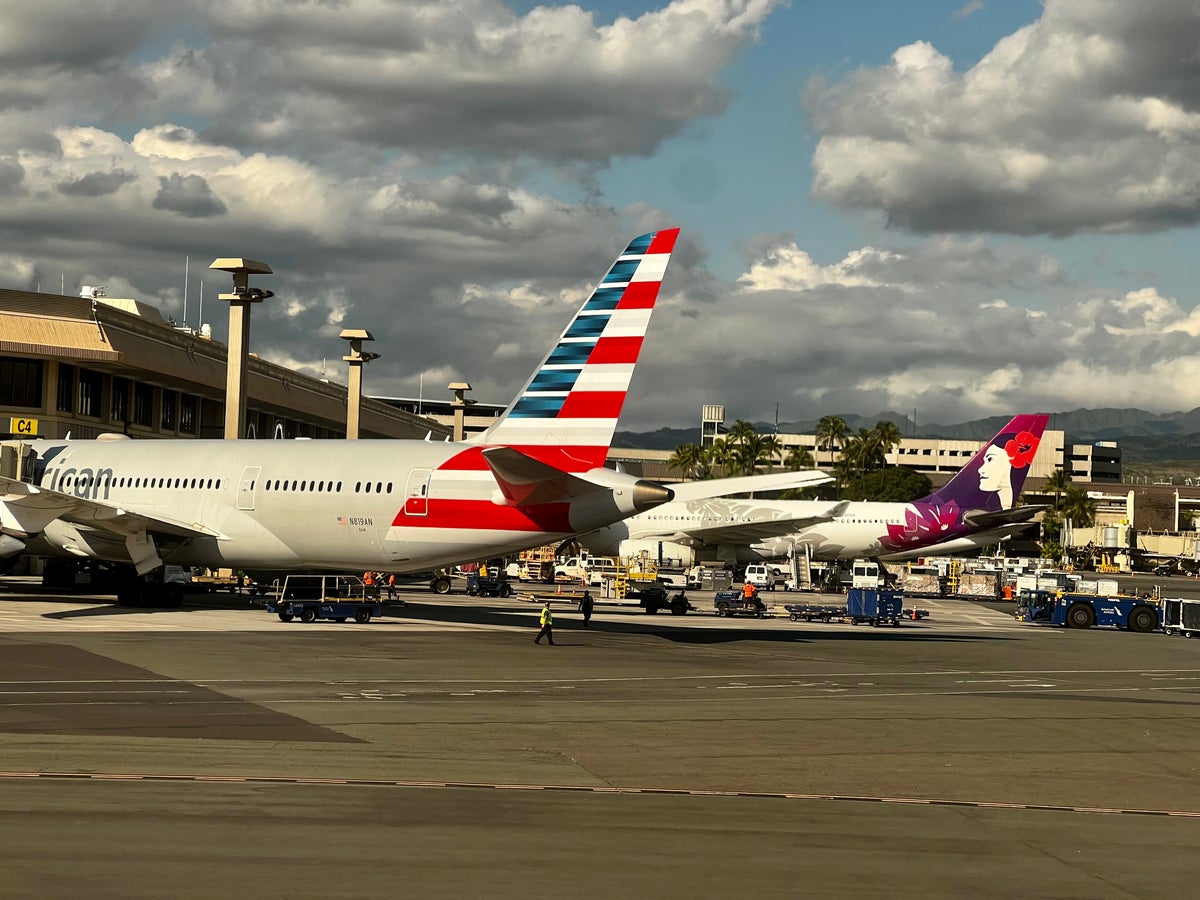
<point x="21" y="382"/>
<point x="90" y="386"/>
<point x="66" y="388"/>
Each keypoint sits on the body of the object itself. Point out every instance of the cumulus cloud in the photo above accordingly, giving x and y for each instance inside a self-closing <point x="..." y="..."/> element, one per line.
<point x="1086" y="120"/>
<point x="946" y="326"/>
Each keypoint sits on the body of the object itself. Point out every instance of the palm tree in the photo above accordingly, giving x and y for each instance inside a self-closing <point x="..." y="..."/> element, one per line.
<point x="831" y="432"/>
<point x="770" y="448"/>
<point x="717" y="457"/>
<point x="799" y="459"/>
<point x="686" y="460"/>
<point x="1078" y="507"/>
<point x="740" y="432"/>
<point x="887" y="436"/>
<point x="1057" y="482"/>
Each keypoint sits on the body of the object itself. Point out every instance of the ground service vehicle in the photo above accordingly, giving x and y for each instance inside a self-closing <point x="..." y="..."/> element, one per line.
<point x="1086" y="610"/>
<point x="736" y="603"/>
<point x="312" y="597"/>
<point x="762" y="576"/>
<point x="489" y="586"/>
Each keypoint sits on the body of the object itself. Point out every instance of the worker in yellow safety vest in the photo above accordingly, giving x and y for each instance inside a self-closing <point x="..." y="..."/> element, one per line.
<point x="546" y="619"/>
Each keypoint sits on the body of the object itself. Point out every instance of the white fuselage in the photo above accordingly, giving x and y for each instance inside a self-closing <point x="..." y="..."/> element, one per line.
<point x="397" y="505"/>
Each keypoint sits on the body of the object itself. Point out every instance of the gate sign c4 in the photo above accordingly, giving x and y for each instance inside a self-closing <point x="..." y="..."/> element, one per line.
<point x="23" y="426"/>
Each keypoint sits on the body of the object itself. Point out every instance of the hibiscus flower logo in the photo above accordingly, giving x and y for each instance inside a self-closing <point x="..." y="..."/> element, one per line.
<point x="923" y="524"/>
<point x="1021" y="449"/>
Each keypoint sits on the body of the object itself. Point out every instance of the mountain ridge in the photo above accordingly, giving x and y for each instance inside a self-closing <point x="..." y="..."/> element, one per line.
<point x="1142" y="435"/>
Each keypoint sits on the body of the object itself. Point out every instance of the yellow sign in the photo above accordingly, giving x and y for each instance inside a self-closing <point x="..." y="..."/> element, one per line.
<point x="23" y="426"/>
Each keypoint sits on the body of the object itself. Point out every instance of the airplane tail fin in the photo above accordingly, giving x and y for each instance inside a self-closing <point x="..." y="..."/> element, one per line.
<point x="993" y="478"/>
<point x="566" y="413"/>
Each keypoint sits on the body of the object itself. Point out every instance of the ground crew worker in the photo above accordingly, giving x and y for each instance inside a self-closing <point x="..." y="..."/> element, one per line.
<point x="547" y="622"/>
<point x="482" y="571"/>
<point x="391" y="585"/>
<point x="749" y="592"/>
<point x="585" y="606"/>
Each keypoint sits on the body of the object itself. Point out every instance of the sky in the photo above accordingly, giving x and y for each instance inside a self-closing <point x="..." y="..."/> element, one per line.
<point x="951" y="209"/>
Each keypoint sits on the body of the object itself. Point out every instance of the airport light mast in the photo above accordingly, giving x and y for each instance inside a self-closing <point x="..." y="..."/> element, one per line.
<point x="459" y="404"/>
<point x="357" y="357"/>
<point x="239" y="336"/>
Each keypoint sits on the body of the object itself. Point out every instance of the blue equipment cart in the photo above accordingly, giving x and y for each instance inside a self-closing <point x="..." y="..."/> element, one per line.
<point x="875" y="607"/>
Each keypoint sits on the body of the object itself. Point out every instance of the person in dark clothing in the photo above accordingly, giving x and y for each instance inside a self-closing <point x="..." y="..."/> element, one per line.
<point x="585" y="606"/>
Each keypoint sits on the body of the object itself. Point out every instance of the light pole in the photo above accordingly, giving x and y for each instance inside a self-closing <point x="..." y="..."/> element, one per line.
<point x="239" y="336"/>
<point x="354" y="390"/>
<point x="459" y="404"/>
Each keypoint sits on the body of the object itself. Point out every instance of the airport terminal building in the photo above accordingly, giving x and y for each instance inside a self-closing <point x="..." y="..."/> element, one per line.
<point x="91" y="364"/>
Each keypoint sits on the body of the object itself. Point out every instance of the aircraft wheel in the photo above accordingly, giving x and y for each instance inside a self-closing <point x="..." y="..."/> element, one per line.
<point x="308" y="614"/>
<point x="362" y="615"/>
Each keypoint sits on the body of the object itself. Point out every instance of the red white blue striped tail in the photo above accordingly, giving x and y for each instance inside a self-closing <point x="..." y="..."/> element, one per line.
<point x="567" y="412"/>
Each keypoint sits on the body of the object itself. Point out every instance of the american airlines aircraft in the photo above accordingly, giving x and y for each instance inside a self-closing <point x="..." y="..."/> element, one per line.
<point x="537" y="475"/>
<point x="974" y="509"/>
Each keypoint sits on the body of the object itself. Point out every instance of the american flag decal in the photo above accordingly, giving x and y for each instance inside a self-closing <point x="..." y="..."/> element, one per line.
<point x="342" y="520"/>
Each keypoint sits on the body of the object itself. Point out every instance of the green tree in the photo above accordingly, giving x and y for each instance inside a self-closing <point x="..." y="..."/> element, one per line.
<point x="798" y="459"/>
<point x="831" y="433"/>
<point x="887" y="436"/>
<point x="688" y="459"/>
<point x="893" y="485"/>
<point x="1077" y="506"/>
<point x="1057" y="482"/>
<point x="718" y="458"/>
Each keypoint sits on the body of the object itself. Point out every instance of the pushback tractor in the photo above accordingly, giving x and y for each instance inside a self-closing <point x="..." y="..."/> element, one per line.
<point x="1085" y="610"/>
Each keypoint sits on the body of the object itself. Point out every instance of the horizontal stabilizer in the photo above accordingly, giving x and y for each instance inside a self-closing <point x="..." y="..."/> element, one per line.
<point x="982" y="519"/>
<point x="526" y="481"/>
<point x="744" y="484"/>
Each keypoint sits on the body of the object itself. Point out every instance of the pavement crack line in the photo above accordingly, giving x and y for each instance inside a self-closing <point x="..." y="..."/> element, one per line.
<point x="127" y="777"/>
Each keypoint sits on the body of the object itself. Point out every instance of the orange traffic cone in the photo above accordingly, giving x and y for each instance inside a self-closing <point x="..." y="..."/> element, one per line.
<point x="560" y="589"/>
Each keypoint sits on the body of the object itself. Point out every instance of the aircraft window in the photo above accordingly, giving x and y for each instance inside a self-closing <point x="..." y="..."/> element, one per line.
<point x="339" y="487"/>
<point x="218" y="484"/>
<point x="389" y="487"/>
<point x="210" y="484"/>
<point x="320" y="485"/>
<point x="253" y="482"/>
<point x="368" y="487"/>
<point x="379" y="487"/>
<point x="137" y="482"/>
<point x="295" y="484"/>
<point x="357" y="486"/>
<point x="267" y="486"/>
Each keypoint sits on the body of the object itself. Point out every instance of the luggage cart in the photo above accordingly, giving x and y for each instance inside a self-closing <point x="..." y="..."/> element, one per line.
<point x="1181" y="615"/>
<point x="814" y="612"/>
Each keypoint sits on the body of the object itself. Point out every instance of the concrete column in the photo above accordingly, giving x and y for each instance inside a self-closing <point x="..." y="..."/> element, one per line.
<point x="239" y="336"/>
<point x="356" y="358"/>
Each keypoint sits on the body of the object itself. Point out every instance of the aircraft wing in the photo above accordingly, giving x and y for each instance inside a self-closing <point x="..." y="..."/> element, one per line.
<point x="981" y="519"/>
<point x="744" y="484"/>
<point x="29" y="508"/>
<point x="751" y="532"/>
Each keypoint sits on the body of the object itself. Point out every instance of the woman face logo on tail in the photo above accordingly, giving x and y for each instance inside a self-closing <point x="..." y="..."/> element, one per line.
<point x="999" y="461"/>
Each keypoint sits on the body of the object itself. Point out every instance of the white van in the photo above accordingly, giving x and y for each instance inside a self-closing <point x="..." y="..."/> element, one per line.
<point x="761" y="576"/>
<point x="865" y="574"/>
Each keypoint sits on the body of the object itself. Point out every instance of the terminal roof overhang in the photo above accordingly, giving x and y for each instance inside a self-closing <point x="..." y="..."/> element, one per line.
<point x="130" y="338"/>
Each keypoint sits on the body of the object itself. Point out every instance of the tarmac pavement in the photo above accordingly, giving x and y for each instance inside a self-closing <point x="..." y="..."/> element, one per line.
<point x="216" y="750"/>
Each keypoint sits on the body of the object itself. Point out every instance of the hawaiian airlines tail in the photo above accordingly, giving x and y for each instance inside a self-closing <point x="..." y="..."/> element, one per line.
<point x="987" y="488"/>
<point x="567" y="412"/>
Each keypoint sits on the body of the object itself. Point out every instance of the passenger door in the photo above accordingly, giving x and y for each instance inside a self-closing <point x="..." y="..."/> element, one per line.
<point x="247" y="487"/>
<point x="416" y="501"/>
